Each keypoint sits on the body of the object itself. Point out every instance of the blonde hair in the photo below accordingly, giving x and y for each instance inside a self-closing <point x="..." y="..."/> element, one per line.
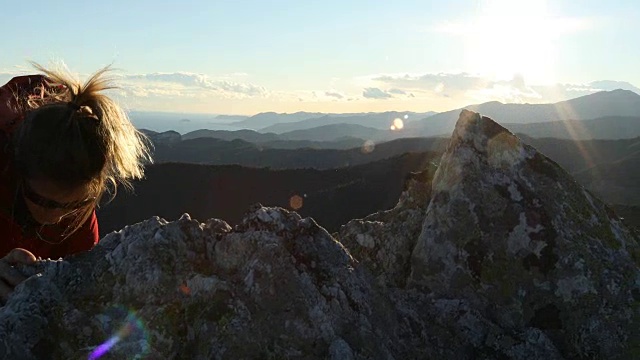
<point x="74" y="135"/>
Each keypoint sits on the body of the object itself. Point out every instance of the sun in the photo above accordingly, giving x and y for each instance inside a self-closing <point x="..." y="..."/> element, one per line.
<point x="508" y="37"/>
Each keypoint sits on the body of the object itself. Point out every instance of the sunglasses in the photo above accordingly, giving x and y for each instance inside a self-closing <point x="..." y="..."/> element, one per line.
<point x="46" y="203"/>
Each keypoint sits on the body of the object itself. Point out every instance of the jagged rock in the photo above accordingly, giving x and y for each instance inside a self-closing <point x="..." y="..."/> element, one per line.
<point x="511" y="232"/>
<point x="384" y="241"/>
<point x="501" y="256"/>
<point x="512" y="235"/>
<point x="278" y="286"/>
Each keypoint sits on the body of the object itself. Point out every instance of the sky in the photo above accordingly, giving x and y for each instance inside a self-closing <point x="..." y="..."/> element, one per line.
<point x="245" y="57"/>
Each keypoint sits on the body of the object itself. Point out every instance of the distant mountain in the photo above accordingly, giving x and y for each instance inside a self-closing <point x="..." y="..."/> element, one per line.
<point x="265" y="119"/>
<point x="382" y="121"/>
<point x="182" y="122"/>
<point x="269" y="140"/>
<point x="574" y="156"/>
<point x="577" y="156"/>
<point x="148" y="132"/>
<point x="165" y="137"/>
<point x="246" y="135"/>
<point x="593" y="106"/>
<point x="618" y="182"/>
<point x="333" y="132"/>
<point x="610" y="127"/>
<point x="344" y="143"/>
<point x="274" y="141"/>
<point x="227" y="118"/>
<point x="338" y="194"/>
<point x="336" y="131"/>
<point x="220" y="152"/>
<point x="630" y="215"/>
<point x="332" y="196"/>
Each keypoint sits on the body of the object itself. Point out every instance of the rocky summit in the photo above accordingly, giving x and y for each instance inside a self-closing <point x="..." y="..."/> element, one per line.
<point x="493" y="253"/>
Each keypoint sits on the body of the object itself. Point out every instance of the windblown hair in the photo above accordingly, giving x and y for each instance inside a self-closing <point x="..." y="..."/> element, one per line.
<point x="74" y="135"/>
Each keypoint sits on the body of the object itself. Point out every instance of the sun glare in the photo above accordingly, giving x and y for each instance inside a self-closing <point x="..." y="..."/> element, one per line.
<point x="398" y="124"/>
<point x="514" y="37"/>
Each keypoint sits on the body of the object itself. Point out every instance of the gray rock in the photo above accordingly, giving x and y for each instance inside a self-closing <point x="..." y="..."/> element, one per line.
<point x="383" y="242"/>
<point x="510" y="231"/>
<point x="500" y="256"/>
<point x="278" y="286"/>
<point x="340" y="350"/>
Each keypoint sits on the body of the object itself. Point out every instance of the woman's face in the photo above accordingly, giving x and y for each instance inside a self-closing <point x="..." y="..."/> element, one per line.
<point x="49" y="203"/>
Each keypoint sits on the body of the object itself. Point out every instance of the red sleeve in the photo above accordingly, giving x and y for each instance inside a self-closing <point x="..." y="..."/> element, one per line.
<point x="84" y="238"/>
<point x="93" y="227"/>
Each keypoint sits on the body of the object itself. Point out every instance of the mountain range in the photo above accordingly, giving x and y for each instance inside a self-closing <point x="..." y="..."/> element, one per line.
<point x="381" y="121"/>
<point x="239" y="152"/>
<point x="344" y="135"/>
<point x="615" y="103"/>
<point x="331" y="132"/>
<point x="609" y="127"/>
<point x="603" y="115"/>
<point x="280" y="123"/>
<point x="344" y="190"/>
<point x="600" y="152"/>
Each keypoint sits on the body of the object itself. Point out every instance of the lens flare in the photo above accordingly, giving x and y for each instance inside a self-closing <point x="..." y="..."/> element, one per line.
<point x="398" y="124"/>
<point x="132" y="329"/>
<point x="184" y="288"/>
<point x="406" y="117"/>
<point x="368" y="147"/>
<point x="295" y="202"/>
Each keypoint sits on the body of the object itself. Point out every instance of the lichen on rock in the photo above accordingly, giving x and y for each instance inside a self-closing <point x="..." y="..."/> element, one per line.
<point x="508" y="227"/>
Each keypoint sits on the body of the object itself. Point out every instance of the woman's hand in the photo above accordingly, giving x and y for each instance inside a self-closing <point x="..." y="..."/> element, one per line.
<point x="9" y="276"/>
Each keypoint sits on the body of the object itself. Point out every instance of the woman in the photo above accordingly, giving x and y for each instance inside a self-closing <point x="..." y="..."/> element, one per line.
<point x="63" y="144"/>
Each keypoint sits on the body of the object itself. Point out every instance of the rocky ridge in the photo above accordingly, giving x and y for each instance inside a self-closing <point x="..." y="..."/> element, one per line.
<point x="495" y="254"/>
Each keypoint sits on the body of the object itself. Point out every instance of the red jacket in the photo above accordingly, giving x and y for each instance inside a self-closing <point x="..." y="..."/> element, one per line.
<point x="19" y="230"/>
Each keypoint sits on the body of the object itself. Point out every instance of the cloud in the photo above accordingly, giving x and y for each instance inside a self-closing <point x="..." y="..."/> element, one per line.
<point x="188" y="85"/>
<point x="317" y="96"/>
<point x="334" y="94"/>
<point x="437" y="90"/>
<point x="397" y="91"/>
<point x="238" y="74"/>
<point x="376" y="93"/>
<point x="241" y="88"/>
<point x="470" y="88"/>
<point x="432" y="82"/>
